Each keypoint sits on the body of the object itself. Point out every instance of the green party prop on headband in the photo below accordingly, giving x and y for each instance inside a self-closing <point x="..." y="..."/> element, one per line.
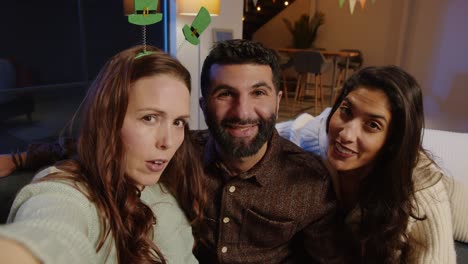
<point x="199" y="24"/>
<point x="145" y="14"/>
<point x="143" y="53"/>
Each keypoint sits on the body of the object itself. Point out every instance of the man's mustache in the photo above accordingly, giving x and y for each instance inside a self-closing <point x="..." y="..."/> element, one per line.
<point x="241" y="122"/>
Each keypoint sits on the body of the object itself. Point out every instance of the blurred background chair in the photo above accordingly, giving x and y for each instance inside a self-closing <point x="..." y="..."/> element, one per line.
<point x="285" y="62"/>
<point x="355" y="63"/>
<point x="305" y="63"/>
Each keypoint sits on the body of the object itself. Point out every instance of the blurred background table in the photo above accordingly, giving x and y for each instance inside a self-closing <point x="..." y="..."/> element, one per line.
<point x="334" y="56"/>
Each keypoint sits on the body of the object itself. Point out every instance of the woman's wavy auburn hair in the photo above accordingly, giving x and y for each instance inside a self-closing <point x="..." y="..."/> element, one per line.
<point x="386" y="194"/>
<point x="100" y="164"/>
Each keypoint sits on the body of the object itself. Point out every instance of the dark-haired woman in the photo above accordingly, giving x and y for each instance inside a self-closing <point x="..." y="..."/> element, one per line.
<point x="121" y="199"/>
<point x="393" y="195"/>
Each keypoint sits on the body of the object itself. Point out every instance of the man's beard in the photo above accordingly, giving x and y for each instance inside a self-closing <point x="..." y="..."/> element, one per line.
<point x="239" y="148"/>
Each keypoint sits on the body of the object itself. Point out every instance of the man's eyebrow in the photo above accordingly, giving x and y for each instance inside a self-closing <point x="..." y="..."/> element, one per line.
<point x="229" y="87"/>
<point x="263" y="84"/>
<point x="372" y="115"/>
<point x="221" y="87"/>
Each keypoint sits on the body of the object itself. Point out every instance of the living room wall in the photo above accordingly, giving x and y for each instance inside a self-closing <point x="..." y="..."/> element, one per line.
<point x="426" y="37"/>
<point x="63" y="44"/>
<point x="43" y="37"/>
<point x="434" y="52"/>
<point x="192" y="56"/>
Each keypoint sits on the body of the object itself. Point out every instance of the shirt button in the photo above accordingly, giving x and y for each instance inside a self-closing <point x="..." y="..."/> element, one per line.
<point x="224" y="249"/>
<point x="226" y="220"/>
<point x="232" y="189"/>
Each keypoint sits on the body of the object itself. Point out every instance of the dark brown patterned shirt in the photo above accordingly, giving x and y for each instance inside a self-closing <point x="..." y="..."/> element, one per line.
<point x="283" y="210"/>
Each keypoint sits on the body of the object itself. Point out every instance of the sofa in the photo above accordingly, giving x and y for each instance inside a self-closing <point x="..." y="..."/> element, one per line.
<point x="449" y="150"/>
<point x="13" y="104"/>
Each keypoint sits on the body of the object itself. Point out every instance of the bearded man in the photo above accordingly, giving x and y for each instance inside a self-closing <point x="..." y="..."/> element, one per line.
<point x="270" y="202"/>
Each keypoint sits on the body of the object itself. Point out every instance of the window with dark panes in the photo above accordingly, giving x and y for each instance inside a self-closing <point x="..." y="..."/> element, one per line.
<point x="50" y="51"/>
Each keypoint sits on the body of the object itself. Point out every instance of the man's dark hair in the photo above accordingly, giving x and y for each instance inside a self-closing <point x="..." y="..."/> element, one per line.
<point x="239" y="51"/>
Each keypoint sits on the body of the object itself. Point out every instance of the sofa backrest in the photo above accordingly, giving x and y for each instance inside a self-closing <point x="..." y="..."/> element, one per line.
<point x="7" y="74"/>
<point x="7" y="79"/>
<point x="449" y="150"/>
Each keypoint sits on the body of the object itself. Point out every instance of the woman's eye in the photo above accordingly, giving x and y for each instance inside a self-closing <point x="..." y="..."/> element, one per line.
<point x="225" y="94"/>
<point x="345" y="110"/>
<point x="259" y="93"/>
<point x="149" y="118"/>
<point x="374" y="125"/>
<point x="180" y="123"/>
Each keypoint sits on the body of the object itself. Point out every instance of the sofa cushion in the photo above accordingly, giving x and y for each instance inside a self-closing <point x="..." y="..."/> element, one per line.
<point x="9" y="187"/>
<point x="450" y="152"/>
<point x="7" y="79"/>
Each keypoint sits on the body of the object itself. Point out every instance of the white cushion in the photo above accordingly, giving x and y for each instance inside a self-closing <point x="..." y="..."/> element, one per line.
<point x="449" y="150"/>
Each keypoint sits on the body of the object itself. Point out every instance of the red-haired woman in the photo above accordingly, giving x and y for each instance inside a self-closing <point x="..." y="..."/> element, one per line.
<point x="123" y="198"/>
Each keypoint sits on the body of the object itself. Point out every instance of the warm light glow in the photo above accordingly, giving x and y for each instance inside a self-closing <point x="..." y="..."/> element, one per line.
<point x="243" y="18"/>
<point x="191" y="7"/>
<point x="129" y="6"/>
<point x="259" y="8"/>
<point x="286" y="3"/>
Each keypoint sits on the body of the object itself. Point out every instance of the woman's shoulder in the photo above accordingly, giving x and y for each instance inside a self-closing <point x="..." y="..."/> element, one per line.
<point x="426" y="173"/>
<point x="64" y="185"/>
<point x="432" y="203"/>
<point x="53" y="208"/>
<point x="43" y="193"/>
<point x="429" y="186"/>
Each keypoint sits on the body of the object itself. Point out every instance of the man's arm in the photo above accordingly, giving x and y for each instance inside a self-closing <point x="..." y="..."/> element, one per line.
<point x="7" y="166"/>
<point x="13" y="252"/>
<point x="37" y="156"/>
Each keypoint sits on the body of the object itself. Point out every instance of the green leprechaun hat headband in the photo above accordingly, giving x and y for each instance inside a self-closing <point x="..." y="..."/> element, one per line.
<point x="146" y="13"/>
<point x="199" y="24"/>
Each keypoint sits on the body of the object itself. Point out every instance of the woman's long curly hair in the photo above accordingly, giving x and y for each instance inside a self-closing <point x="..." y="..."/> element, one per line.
<point x="386" y="195"/>
<point x="100" y="163"/>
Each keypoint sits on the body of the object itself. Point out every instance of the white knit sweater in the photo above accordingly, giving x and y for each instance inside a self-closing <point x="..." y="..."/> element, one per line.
<point x="432" y="197"/>
<point x="58" y="224"/>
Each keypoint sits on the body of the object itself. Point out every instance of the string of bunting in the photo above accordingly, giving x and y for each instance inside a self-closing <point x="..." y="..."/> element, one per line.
<point x="254" y="3"/>
<point x="352" y="4"/>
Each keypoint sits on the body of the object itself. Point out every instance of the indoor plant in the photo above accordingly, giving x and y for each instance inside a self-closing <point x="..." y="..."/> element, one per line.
<point x="304" y="30"/>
